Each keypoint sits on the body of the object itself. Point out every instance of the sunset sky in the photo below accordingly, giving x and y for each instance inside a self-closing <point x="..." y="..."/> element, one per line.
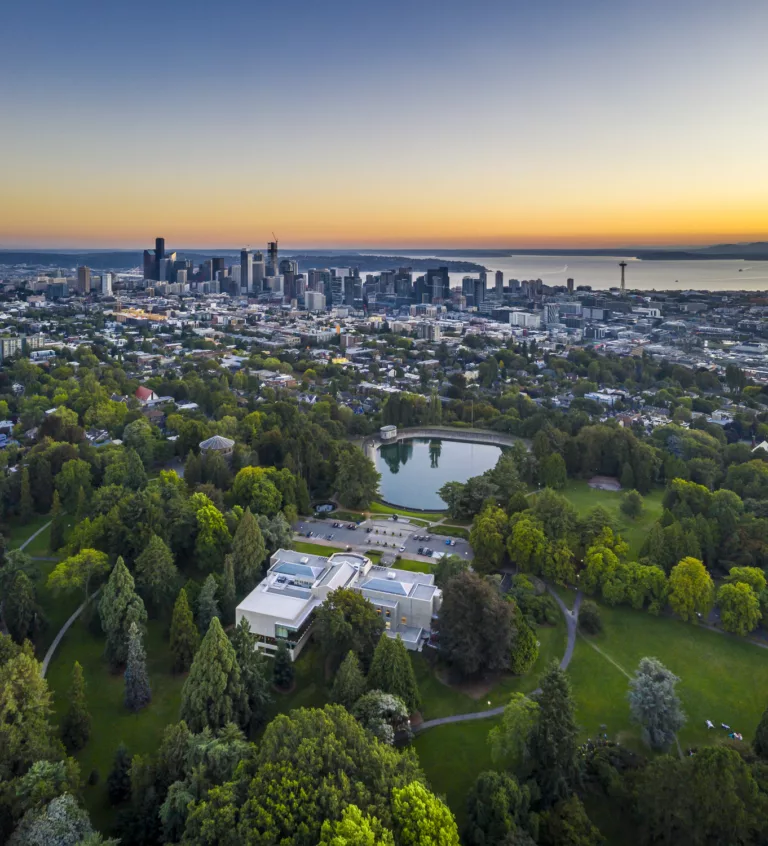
<point x="419" y="123"/>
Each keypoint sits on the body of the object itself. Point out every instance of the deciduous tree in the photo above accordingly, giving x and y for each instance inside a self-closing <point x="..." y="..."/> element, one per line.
<point x="487" y="538"/>
<point x="357" y="480"/>
<point x="739" y="608"/>
<point x="475" y="626"/>
<point x="348" y="621"/>
<point x="691" y="590"/>
<point x="78" y="571"/>
<point x="654" y="703"/>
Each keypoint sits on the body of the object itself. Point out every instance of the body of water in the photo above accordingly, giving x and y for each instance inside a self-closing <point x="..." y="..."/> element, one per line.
<point x="602" y="272"/>
<point x="414" y="470"/>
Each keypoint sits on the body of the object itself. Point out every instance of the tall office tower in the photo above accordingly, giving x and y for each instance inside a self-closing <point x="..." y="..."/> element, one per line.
<point x="207" y="269"/>
<point x="246" y="270"/>
<point x="272" y="262"/>
<point x="468" y="290"/>
<point x="106" y="284"/>
<point x="314" y="279"/>
<point x="349" y="291"/>
<point x="438" y="284"/>
<point x="288" y="270"/>
<point x="387" y="281"/>
<point x="499" y="283"/>
<point x="421" y="294"/>
<point x="337" y="291"/>
<point x="259" y="272"/>
<point x="84" y="280"/>
<point x="300" y="286"/>
<point x="479" y="291"/>
<point x="159" y="249"/>
<point x="570" y="286"/>
<point x="163" y="268"/>
<point x="217" y="265"/>
<point x="149" y="265"/>
<point x="181" y="278"/>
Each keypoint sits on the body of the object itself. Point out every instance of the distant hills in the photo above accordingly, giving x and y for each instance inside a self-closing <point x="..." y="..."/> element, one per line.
<point x="457" y="260"/>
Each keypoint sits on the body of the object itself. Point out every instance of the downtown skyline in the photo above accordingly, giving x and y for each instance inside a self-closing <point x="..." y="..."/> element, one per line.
<point x="418" y="124"/>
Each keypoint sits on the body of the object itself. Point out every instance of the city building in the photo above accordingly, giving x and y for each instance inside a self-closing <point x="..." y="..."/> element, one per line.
<point x="246" y="270"/>
<point x="282" y="606"/>
<point x="84" y="280"/>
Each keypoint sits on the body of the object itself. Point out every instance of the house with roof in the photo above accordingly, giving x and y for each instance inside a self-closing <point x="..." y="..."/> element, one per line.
<point x="282" y="606"/>
<point x="145" y="395"/>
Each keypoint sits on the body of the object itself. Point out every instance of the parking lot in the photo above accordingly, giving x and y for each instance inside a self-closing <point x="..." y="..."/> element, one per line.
<point x="395" y="537"/>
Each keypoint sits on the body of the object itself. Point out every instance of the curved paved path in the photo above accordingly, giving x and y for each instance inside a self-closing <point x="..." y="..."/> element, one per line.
<point x="38" y="532"/>
<point x="571" y="622"/>
<point x="62" y="631"/>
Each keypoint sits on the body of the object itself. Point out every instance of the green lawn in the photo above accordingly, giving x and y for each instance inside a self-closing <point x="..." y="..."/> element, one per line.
<point x="315" y="548"/>
<point x="634" y="532"/>
<point x="451" y="531"/>
<point x="722" y="678"/>
<point x="17" y="533"/>
<point x="112" y="723"/>
<point x="380" y="508"/>
<point x="452" y="757"/>
<point x="57" y="608"/>
<point x="310" y="689"/>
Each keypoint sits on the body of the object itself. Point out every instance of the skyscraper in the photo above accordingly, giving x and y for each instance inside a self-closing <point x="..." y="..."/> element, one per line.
<point x="106" y="284"/>
<point x="259" y="272"/>
<point x="84" y="280"/>
<point x="246" y="270"/>
<point x="154" y="263"/>
<point x="499" y="283"/>
<point x="272" y="263"/>
<point x="438" y="284"/>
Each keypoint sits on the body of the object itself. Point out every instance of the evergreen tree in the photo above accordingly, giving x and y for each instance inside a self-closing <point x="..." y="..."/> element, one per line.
<point x="254" y="670"/>
<point x="57" y="524"/>
<point x="349" y="683"/>
<point x="248" y="552"/>
<point x="207" y="606"/>
<point x="282" y="670"/>
<point x="553" y="739"/>
<point x="193" y="470"/>
<point x="156" y="574"/>
<point x="213" y="694"/>
<point x="119" y="780"/>
<point x="26" y="505"/>
<point x="119" y="607"/>
<point x="760" y="743"/>
<point x="525" y="650"/>
<point x="21" y="611"/>
<point x="392" y="671"/>
<point x="228" y="591"/>
<point x="81" y="508"/>
<point x="137" y="690"/>
<point x="185" y="638"/>
<point x="76" y="725"/>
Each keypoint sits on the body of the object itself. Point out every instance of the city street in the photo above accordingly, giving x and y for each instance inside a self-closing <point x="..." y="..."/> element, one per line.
<point x="395" y="537"/>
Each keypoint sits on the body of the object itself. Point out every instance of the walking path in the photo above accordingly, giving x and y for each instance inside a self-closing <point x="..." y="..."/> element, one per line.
<point x="33" y="536"/>
<point x="62" y="631"/>
<point x="571" y="622"/>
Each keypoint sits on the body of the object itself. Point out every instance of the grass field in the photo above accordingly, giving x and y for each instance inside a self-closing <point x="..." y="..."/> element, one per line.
<point x="634" y="532"/>
<point x="17" y="533"/>
<point x="452" y="756"/>
<point x="451" y="531"/>
<point x="722" y="678"/>
<point x="112" y="723"/>
<point x="380" y="508"/>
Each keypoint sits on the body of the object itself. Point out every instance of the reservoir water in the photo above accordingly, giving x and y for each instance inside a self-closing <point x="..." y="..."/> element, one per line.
<point x="414" y="470"/>
<point x="602" y="272"/>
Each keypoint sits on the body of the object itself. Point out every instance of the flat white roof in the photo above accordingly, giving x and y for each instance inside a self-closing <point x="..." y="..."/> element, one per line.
<point x="289" y="609"/>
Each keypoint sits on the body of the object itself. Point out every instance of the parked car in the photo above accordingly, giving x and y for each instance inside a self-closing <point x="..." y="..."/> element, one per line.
<point x="402" y="549"/>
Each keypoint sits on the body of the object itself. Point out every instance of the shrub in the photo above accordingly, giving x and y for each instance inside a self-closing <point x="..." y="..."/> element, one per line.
<point x="589" y="617"/>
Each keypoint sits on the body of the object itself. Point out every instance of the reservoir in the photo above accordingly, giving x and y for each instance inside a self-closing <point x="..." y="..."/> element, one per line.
<point x="414" y="470"/>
